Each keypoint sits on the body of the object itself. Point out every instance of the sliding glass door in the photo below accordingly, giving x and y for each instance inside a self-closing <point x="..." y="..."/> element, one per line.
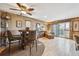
<point x="56" y="30"/>
<point x="61" y="29"/>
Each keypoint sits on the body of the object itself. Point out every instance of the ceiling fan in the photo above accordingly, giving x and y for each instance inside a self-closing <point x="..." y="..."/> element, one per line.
<point x="23" y="8"/>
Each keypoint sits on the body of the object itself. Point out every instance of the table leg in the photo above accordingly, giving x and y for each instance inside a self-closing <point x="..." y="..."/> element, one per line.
<point x="30" y="50"/>
<point x="36" y="45"/>
<point x="9" y="48"/>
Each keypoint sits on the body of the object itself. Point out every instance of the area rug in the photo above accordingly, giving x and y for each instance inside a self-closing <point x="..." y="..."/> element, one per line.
<point x="26" y="52"/>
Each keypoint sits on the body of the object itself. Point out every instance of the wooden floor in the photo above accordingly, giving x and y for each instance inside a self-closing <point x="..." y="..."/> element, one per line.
<point x="2" y="49"/>
<point x="59" y="47"/>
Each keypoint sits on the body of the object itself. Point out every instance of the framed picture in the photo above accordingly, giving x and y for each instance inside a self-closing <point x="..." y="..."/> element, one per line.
<point x="76" y="25"/>
<point x="19" y="24"/>
<point x="28" y="24"/>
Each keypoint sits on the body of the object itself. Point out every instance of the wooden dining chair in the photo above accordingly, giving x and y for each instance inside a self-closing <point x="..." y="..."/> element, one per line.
<point x="2" y="39"/>
<point x="31" y="40"/>
<point x="12" y="39"/>
<point x="77" y="42"/>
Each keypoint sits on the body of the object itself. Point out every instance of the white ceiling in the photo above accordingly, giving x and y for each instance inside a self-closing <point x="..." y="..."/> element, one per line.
<point x="47" y="11"/>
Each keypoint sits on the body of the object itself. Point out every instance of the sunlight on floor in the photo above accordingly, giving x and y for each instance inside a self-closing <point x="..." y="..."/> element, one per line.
<point x="59" y="47"/>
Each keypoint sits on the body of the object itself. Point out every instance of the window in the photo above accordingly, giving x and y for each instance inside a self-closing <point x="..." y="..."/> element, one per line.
<point x="38" y="26"/>
<point x="61" y="29"/>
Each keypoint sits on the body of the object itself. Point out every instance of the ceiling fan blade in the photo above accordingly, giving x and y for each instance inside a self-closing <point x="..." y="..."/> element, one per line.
<point x="22" y="7"/>
<point x="15" y="9"/>
<point x="20" y="10"/>
<point x="18" y="4"/>
<point x="29" y="14"/>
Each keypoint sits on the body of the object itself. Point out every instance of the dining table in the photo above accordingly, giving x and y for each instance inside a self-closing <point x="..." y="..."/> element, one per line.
<point x="28" y="34"/>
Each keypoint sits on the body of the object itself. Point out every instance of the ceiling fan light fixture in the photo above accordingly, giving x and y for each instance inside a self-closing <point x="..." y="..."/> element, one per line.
<point x="23" y="12"/>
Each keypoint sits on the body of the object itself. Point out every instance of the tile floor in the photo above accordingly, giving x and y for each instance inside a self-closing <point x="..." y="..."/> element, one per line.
<point x="59" y="47"/>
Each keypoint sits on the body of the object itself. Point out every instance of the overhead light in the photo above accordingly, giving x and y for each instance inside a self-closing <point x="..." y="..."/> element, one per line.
<point x="23" y="12"/>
